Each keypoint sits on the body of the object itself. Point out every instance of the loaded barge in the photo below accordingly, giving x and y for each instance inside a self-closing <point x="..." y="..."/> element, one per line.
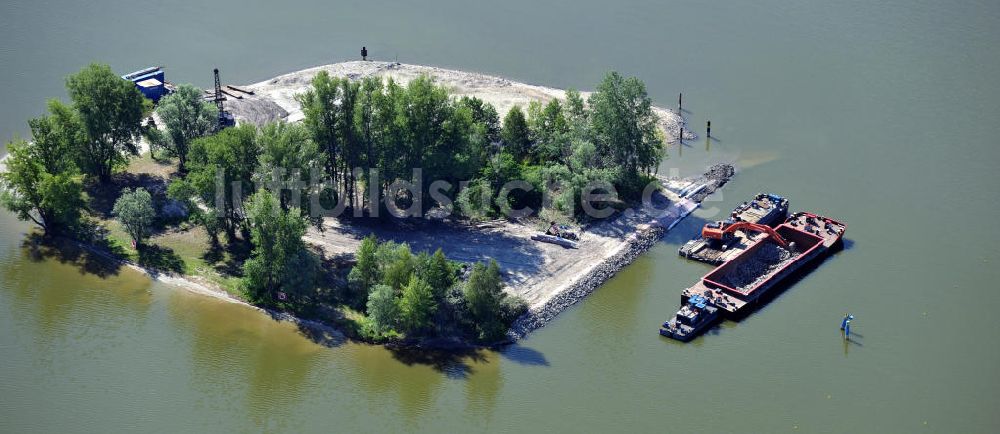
<point x="764" y="209"/>
<point x="733" y="288"/>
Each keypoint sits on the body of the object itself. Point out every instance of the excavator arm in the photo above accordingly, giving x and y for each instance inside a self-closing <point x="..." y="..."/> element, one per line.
<point x="718" y="231"/>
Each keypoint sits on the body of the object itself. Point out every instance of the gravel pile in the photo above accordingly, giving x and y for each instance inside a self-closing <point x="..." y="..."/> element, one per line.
<point x="256" y="110"/>
<point x="716" y="176"/>
<point x="752" y="271"/>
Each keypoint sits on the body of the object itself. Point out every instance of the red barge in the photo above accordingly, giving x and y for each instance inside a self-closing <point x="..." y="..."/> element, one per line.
<point x="735" y="287"/>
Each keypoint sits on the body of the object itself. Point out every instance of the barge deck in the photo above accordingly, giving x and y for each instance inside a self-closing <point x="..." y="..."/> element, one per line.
<point x="741" y="282"/>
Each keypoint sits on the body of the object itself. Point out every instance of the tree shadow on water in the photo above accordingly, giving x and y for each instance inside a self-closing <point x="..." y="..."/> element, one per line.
<point x="324" y="336"/>
<point x="524" y="355"/>
<point x="454" y="363"/>
<point x="39" y="248"/>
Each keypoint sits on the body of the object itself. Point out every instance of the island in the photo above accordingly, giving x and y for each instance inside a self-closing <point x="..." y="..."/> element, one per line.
<point x="379" y="201"/>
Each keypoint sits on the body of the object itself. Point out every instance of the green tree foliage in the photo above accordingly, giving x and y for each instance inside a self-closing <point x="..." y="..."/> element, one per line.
<point x="583" y="156"/>
<point x="341" y="127"/>
<point x="323" y="115"/>
<point x="57" y="137"/>
<point x="111" y="110"/>
<point x="576" y="113"/>
<point x="134" y="210"/>
<point x="417" y="305"/>
<point x="515" y="134"/>
<point x="475" y="201"/>
<point x="483" y="114"/>
<point x="384" y="126"/>
<point x="365" y="273"/>
<point x="552" y="133"/>
<point x="216" y="163"/>
<point x="437" y="273"/>
<point x="485" y="297"/>
<point x="411" y="292"/>
<point x="383" y="309"/>
<point x="400" y="265"/>
<point x="369" y="112"/>
<point x="387" y="263"/>
<point x="565" y="144"/>
<point x="52" y="201"/>
<point x="186" y="116"/>
<point x="624" y="128"/>
<point x="280" y="260"/>
<point x="41" y="181"/>
<point x="287" y="155"/>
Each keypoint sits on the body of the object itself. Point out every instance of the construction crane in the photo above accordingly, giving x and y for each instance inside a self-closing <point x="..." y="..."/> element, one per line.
<point x="723" y="231"/>
<point x="226" y="119"/>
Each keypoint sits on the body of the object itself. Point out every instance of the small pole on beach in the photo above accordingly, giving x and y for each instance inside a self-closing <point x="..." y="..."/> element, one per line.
<point x="708" y="129"/>
<point x="680" y="98"/>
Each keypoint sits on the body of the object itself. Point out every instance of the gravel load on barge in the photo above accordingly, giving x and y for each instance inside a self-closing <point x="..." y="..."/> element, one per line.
<point x="733" y="288"/>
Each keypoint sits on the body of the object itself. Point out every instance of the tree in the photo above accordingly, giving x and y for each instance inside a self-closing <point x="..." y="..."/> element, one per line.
<point x="485" y="114"/>
<point x="552" y="133"/>
<point x="353" y="148"/>
<point x="216" y="163"/>
<point x="395" y="129"/>
<point x="437" y="273"/>
<point x="576" y="111"/>
<point x="279" y="260"/>
<point x="367" y="111"/>
<point x="135" y="212"/>
<point x="484" y="294"/>
<point x="286" y="154"/>
<point x="111" y="110"/>
<point x="515" y="134"/>
<point x="398" y="269"/>
<point x="365" y="273"/>
<point x="417" y="305"/>
<point x="624" y="128"/>
<point x="383" y="309"/>
<point x="52" y="201"/>
<point x="323" y="118"/>
<point x="186" y="116"/>
<point x="56" y="137"/>
<point x="41" y="181"/>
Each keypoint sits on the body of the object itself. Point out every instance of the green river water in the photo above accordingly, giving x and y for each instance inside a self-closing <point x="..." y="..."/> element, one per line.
<point x="882" y="114"/>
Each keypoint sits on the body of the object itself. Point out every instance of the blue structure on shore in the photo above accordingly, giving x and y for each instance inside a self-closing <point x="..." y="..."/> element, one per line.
<point x="150" y="82"/>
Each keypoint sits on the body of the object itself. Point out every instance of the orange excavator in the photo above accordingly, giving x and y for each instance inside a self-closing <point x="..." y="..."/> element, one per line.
<point x="723" y="231"/>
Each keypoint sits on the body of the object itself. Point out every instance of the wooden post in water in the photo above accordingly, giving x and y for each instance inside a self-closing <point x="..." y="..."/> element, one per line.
<point x="708" y="136"/>
<point x="680" y="98"/>
<point x="680" y="142"/>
